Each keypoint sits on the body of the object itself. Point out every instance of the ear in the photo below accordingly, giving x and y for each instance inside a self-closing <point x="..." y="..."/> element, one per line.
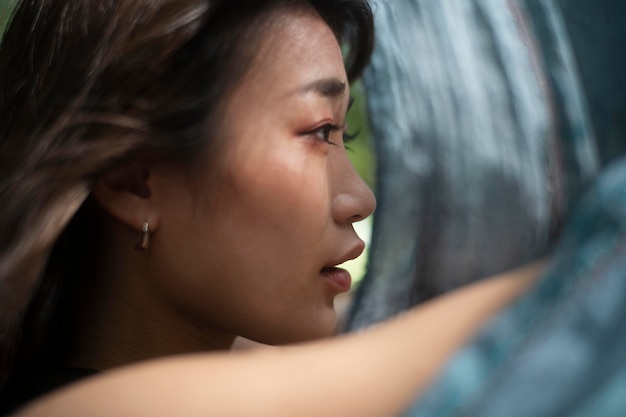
<point x="124" y="193"/>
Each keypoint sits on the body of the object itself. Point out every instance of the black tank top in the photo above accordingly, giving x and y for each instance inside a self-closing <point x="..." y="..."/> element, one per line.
<point x="19" y="393"/>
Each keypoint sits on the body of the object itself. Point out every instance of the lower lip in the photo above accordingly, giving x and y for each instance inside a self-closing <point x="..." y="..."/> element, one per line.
<point x="339" y="279"/>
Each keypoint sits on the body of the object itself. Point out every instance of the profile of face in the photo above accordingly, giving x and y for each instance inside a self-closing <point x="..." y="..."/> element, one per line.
<point x="247" y="245"/>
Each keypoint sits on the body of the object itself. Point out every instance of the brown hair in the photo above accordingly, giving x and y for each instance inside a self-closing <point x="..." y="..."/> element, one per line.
<point x="85" y="85"/>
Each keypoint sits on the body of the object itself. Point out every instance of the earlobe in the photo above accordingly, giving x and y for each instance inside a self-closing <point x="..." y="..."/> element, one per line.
<point x="124" y="193"/>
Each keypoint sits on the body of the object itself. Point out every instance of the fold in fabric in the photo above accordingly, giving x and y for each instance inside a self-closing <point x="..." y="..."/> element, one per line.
<point x="560" y="350"/>
<point x="483" y="138"/>
<point x="492" y="118"/>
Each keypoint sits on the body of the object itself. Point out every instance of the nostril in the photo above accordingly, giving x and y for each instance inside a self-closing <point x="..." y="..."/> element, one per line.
<point x="357" y="218"/>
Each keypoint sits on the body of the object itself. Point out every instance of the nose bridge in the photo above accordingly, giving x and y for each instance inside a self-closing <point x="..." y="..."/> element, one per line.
<point x="353" y="200"/>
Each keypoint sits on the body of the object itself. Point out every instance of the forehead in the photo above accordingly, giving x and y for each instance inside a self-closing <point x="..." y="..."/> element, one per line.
<point x="296" y="48"/>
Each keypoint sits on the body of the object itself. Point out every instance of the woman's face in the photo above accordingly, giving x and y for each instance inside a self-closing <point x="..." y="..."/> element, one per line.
<point x="249" y="248"/>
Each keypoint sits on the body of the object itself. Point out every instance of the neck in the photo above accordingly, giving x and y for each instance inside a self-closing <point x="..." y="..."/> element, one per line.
<point x="116" y="331"/>
<point x="122" y="320"/>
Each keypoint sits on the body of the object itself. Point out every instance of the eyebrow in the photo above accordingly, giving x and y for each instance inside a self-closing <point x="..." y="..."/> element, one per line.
<point x="330" y="87"/>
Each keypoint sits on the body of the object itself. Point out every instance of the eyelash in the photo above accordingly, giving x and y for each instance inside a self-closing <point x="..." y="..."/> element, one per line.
<point x="327" y="129"/>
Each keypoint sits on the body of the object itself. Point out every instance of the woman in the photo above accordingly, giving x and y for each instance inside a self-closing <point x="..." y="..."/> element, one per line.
<point x="210" y="136"/>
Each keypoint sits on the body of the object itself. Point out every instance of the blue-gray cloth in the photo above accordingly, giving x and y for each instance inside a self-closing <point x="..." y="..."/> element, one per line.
<point x="492" y="119"/>
<point x="560" y="350"/>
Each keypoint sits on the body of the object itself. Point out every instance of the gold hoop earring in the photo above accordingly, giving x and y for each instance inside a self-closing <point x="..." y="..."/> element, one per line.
<point x="144" y="238"/>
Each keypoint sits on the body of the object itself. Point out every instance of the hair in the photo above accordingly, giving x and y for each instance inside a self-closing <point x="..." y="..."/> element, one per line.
<point x="86" y="85"/>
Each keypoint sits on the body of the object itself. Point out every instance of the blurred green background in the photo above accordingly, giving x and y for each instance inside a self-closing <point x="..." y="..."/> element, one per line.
<point x="5" y="10"/>
<point x="361" y="153"/>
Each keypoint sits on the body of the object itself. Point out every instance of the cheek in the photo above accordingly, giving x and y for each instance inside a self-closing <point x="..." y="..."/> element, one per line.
<point x="244" y="251"/>
<point x="283" y="190"/>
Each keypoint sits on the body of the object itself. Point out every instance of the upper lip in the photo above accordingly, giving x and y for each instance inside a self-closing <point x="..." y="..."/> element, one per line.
<point x="354" y="252"/>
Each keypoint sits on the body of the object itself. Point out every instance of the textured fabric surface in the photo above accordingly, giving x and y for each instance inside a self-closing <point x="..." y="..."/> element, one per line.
<point x="492" y="119"/>
<point x="484" y="139"/>
<point x="561" y="350"/>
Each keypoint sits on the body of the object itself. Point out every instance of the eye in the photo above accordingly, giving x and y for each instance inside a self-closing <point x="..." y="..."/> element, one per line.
<point x="323" y="133"/>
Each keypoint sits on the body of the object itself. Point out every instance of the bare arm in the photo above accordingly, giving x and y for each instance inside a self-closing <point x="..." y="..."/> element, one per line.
<point x="373" y="373"/>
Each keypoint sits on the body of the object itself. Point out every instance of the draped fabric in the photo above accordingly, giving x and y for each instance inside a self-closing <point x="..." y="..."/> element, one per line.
<point x="484" y="138"/>
<point x="492" y="119"/>
<point x="560" y="350"/>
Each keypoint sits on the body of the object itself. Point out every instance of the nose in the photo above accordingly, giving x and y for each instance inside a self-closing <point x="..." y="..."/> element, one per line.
<point x="353" y="200"/>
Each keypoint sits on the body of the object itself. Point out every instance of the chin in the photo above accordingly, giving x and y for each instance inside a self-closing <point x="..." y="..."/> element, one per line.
<point x="301" y="331"/>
